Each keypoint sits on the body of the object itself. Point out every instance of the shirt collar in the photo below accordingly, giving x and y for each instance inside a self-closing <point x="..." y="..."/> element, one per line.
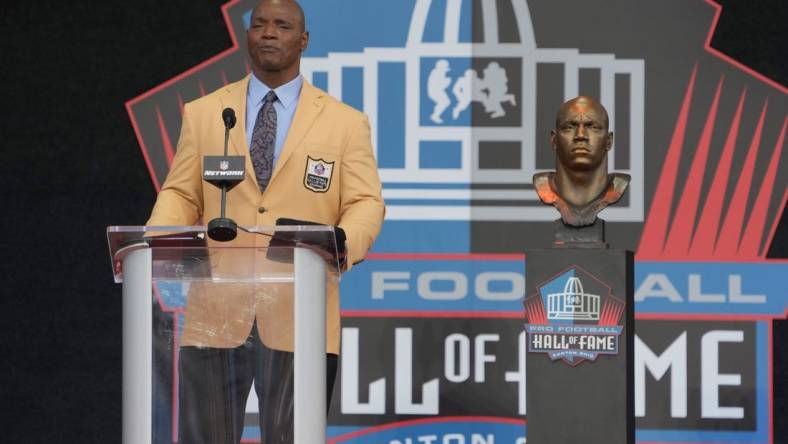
<point x="287" y="93"/>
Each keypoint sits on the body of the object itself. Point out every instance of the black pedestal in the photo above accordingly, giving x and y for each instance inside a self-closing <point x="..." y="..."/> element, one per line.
<point x="580" y="330"/>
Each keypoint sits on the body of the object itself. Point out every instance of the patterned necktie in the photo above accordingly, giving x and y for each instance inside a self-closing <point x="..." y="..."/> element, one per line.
<point x="264" y="140"/>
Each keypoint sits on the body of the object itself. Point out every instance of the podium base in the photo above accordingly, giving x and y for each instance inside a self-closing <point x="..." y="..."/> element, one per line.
<point x="222" y="229"/>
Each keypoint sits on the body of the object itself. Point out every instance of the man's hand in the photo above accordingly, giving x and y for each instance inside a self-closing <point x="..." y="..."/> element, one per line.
<point x="339" y="255"/>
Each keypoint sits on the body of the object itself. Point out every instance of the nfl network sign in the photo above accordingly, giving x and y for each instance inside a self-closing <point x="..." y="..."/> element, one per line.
<point x="461" y="96"/>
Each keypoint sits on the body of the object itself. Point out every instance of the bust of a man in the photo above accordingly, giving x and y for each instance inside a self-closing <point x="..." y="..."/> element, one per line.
<point x="580" y="187"/>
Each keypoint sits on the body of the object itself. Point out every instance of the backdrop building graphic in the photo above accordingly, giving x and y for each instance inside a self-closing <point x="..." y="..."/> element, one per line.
<point x="436" y="167"/>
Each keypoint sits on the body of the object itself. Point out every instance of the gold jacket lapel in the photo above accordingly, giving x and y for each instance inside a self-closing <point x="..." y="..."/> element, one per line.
<point x="310" y="103"/>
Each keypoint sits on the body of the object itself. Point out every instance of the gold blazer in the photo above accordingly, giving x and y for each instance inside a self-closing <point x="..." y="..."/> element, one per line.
<point x="323" y="129"/>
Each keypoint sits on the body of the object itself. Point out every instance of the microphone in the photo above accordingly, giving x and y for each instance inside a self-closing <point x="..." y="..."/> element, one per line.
<point x="224" y="172"/>
<point x="228" y="115"/>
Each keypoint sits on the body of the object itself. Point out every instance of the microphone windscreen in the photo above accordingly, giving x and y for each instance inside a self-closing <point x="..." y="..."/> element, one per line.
<point x="228" y="115"/>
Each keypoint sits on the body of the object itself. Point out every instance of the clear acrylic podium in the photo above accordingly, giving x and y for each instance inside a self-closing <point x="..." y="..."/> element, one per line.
<point x="267" y="264"/>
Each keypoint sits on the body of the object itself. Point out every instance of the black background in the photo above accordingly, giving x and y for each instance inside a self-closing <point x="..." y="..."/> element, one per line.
<point x="71" y="166"/>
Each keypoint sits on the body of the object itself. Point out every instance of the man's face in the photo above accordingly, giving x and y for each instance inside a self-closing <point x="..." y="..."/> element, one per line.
<point x="276" y="36"/>
<point x="581" y="140"/>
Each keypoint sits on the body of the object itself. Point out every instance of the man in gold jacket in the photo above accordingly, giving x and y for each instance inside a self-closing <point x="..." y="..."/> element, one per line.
<point x="323" y="170"/>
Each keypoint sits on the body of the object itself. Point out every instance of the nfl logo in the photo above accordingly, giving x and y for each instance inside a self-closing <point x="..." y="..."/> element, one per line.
<point x="223" y="165"/>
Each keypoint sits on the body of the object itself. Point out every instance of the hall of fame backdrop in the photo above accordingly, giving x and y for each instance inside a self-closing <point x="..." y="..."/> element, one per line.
<point x="461" y="95"/>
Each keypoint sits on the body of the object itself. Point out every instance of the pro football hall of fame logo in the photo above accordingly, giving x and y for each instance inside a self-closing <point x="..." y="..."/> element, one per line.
<point x="571" y="321"/>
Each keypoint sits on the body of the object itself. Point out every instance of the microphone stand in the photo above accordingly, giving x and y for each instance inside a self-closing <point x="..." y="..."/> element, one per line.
<point x="222" y="228"/>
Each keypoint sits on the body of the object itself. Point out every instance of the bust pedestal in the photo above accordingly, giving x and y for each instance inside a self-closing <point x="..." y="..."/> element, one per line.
<point x="579" y="340"/>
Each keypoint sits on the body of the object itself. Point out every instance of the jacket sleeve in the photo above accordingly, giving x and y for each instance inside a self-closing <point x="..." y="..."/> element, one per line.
<point x="180" y="201"/>
<point x="361" y="202"/>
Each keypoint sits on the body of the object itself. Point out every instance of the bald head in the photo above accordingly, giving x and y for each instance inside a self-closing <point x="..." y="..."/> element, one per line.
<point x="581" y="139"/>
<point x="299" y="11"/>
<point x="275" y="40"/>
<point x="581" y="104"/>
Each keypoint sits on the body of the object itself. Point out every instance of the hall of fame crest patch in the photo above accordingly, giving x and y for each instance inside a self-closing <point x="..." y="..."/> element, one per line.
<point x="574" y="317"/>
<point x="317" y="176"/>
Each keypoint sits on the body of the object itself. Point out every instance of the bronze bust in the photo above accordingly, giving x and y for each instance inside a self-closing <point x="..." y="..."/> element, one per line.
<point x="580" y="187"/>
